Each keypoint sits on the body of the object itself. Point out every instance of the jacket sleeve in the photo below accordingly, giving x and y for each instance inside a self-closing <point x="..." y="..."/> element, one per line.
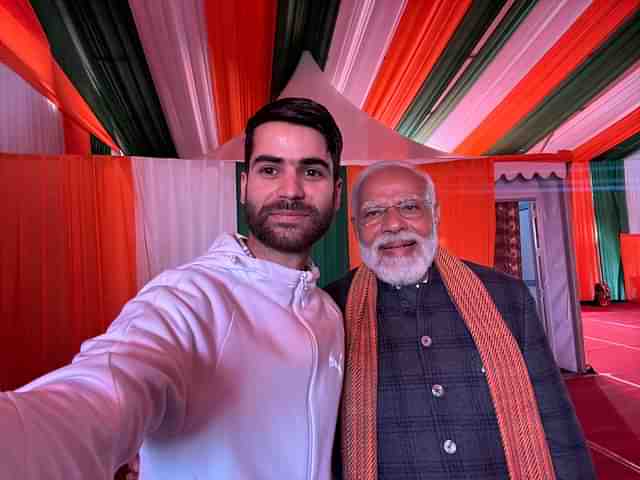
<point x="569" y="452"/>
<point x="90" y="417"/>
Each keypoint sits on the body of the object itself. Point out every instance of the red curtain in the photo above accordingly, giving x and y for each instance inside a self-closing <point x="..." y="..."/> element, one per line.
<point x="615" y="134"/>
<point x="25" y="49"/>
<point x="67" y="255"/>
<point x="424" y="30"/>
<point x="240" y="55"/>
<point x="584" y="229"/>
<point x="466" y="194"/>
<point x="630" y="253"/>
<point x="77" y="141"/>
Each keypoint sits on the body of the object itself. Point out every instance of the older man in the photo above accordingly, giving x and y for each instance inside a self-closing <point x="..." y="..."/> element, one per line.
<point x="448" y="371"/>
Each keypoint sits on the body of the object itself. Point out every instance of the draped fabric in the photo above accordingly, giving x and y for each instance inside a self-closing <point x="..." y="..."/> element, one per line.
<point x="508" y="255"/>
<point x="485" y="51"/>
<point x="632" y="190"/>
<point x="629" y="248"/>
<point x="96" y="45"/>
<point x="76" y="139"/>
<point x="465" y="189"/>
<point x="98" y="147"/>
<point x="29" y="123"/>
<point x="616" y="102"/>
<point x="611" y="220"/>
<point x="471" y="30"/>
<point x="424" y="29"/>
<point x="539" y="32"/>
<point x="584" y="230"/>
<point x="610" y="60"/>
<point x="301" y="25"/>
<point x="588" y="32"/>
<point x="67" y="257"/>
<point x="24" y="48"/>
<point x="181" y="206"/>
<point x="240" y="57"/>
<point x="361" y="38"/>
<point x="174" y="37"/>
<point x="621" y="132"/>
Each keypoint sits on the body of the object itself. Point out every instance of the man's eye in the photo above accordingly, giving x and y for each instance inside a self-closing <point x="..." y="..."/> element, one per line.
<point x="314" y="172"/>
<point x="410" y="207"/>
<point x="268" y="171"/>
<point x="373" y="213"/>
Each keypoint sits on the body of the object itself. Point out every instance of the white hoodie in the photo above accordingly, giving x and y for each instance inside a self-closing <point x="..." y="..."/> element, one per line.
<point x="226" y="368"/>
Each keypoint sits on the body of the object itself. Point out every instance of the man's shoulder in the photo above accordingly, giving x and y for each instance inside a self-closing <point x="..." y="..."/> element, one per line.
<point x="490" y="276"/>
<point x="339" y="289"/>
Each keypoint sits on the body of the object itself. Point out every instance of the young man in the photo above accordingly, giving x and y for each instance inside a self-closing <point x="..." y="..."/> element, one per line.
<point x="448" y="371"/>
<point x="228" y="367"/>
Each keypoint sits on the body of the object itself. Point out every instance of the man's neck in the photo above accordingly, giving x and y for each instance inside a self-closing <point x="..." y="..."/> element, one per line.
<point x="297" y="261"/>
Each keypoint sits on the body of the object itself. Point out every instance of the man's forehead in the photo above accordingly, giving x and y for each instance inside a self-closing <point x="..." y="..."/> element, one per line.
<point x="392" y="183"/>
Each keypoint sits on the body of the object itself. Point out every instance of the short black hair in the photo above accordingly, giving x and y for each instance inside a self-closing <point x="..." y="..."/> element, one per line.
<point x="299" y="111"/>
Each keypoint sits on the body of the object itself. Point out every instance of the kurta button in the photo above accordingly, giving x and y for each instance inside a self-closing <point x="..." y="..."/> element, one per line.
<point x="483" y="370"/>
<point x="437" y="390"/>
<point x="234" y="259"/>
<point x="426" y="341"/>
<point x="450" y="447"/>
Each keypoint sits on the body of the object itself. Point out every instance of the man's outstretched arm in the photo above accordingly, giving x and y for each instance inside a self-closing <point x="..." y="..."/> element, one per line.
<point x="87" y="419"/>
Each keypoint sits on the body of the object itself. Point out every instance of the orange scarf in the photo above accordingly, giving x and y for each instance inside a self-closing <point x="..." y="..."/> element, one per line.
<point x="521" y="431"/>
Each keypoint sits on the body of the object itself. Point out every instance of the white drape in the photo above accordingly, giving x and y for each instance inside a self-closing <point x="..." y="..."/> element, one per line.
<point x="632" y="189"/>
<point x="181" y="206"/>
<point x="29" y="122"/>
<point x="174" y="37"/>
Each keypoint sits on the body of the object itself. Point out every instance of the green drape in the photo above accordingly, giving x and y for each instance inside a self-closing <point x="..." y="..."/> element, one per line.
<point x="607" y="178"/>
<point x="588" y="80"/>
<point x="98" y="147"/>
<point x="301" y="25"/>
<point x="331" y="253"/>
<point x="473" y="26"/>
<point x="97" y="45"/>
<point x="429" y="118"/>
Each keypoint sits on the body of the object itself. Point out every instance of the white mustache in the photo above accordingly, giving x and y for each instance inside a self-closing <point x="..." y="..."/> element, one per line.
<point x="395" y="237"/>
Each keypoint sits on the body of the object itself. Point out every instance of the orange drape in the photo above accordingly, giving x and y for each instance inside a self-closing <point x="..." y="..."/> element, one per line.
<point x="240" y="54"/>
<point x="466" y="194"/>
<point x="610" y="137"/>
<point x="630" y="253"/>
<point x="584" y="230"/>
<point x="77" y="141"/>
<point x="424" y="30"/>
<point x="67" y="255"/>
<point x="587" y="33"/>
<point x="25" y="49"/>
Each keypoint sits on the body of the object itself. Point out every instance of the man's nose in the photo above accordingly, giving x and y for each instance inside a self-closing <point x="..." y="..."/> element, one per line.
<point x="392" y="221"/>
<point x="291" y="186"/>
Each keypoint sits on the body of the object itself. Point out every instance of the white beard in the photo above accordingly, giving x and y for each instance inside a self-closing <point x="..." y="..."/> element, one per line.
<point x="404" y="270"/>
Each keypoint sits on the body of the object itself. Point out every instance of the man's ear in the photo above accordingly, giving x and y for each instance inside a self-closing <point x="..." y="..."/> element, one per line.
<point x="337" y="194"/>
<point x="243" y="187"/>
<point x="436" y="214"/>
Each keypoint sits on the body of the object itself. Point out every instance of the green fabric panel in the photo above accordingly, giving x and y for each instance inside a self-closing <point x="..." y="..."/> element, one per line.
<point x="331" y="253"/>
<point x="97" y="45"/>
<point x="621" y="150"/>
<point x="605" y="65"/>
<point x="429" y="120"/>
<point x="98" y="147"/>
<point x="301" y="25"/>
<point x="474" y="24"/>
<point x="610" y="207"/>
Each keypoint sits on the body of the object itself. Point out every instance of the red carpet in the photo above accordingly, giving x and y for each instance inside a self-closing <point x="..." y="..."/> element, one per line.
<point x="608" y="404"/>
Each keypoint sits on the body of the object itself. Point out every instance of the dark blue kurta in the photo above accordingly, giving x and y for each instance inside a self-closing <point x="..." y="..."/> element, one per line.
<point x="435" y="415"/>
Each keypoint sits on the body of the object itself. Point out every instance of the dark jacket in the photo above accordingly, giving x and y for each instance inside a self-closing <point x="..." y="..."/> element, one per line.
<point x="432" y="388"/>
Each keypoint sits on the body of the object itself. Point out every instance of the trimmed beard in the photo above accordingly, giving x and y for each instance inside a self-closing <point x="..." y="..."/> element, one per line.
<point x="405" y="270"/>
<point x="286" y="236"/>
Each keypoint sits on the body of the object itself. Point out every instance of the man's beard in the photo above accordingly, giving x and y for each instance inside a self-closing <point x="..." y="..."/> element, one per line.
<point x="404" y="270"/>
<point x="289" y="237"/>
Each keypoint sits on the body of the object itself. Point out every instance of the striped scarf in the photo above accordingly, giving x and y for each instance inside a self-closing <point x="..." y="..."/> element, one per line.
<point x="521" y="431"/>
